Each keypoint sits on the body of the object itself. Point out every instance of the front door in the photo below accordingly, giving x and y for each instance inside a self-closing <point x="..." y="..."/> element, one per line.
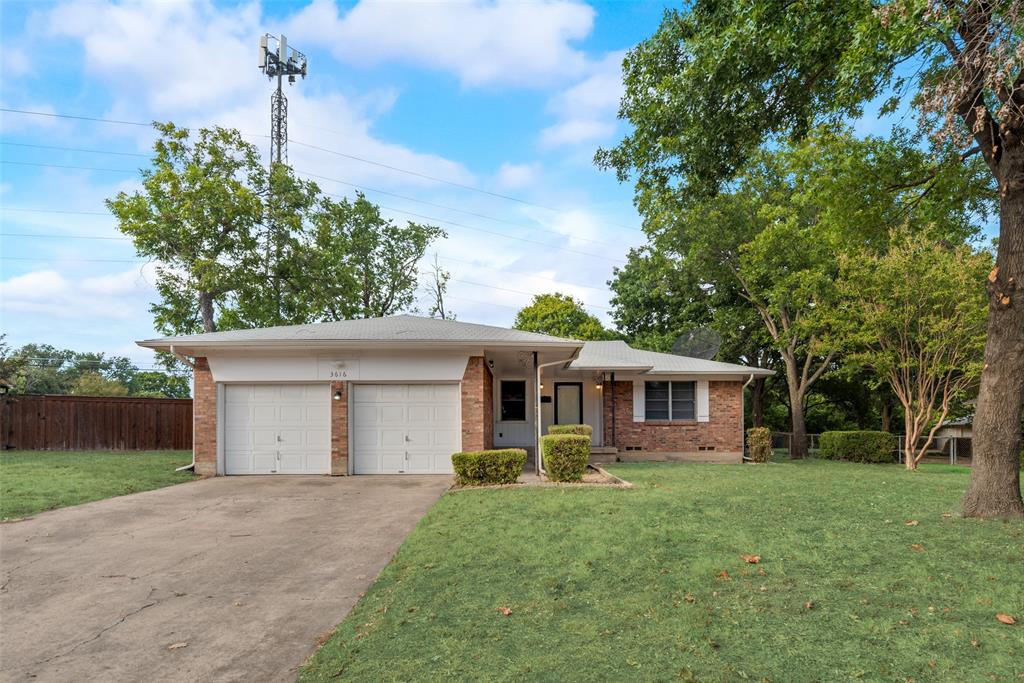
<point x="568" y="403"/>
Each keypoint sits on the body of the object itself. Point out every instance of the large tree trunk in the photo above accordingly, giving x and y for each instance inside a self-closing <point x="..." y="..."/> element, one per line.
<point x="798" y="439"/>
<point x="995" y="473"/>
<point x="757" y="402"/>
<point x="206" y="312"/>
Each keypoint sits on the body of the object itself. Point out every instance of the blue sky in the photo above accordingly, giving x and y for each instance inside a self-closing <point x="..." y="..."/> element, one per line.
<point x="512" y="98"/>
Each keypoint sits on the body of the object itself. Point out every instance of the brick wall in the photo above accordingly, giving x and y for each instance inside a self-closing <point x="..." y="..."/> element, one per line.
<point x="204" y="416"/>
<point x="339" y="429"/>
<point x="723" y="430"/>
<point x="477" y="406"/>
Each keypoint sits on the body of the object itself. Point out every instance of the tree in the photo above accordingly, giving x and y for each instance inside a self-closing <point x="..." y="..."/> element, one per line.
<point x="771" y="242"/>
<point x="199" y="215"/>
<point x="154" y="384"/>
<point x="722" y="80"/>
<point x="92" y="383"/>
<point x="437" y="287"/>
<point x="560" y="315"/>
<point x="916" y="317"/>
<point x="364" y="265"/>
<point x="12" y="363"/>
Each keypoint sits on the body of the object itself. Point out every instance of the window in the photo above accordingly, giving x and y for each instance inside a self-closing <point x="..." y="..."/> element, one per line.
<point x="513" y="400"/>
<point x="670" y="400"/>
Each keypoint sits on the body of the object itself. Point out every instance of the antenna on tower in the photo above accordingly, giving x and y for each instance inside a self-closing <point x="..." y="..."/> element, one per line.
<point x="278" y="63"/>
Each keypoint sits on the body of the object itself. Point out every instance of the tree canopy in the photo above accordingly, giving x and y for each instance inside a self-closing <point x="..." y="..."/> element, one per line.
<point x="561" y="315"/>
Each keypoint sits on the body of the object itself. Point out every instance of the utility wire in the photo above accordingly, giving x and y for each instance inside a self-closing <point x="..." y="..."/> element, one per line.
<point x="390" y="208"/>
<point x="310" y="174"/>
<point x="40" y="235"/>
<point x="345" y="155"/>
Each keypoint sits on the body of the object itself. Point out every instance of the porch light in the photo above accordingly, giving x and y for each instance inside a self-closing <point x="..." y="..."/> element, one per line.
<point x="337" y="395"/>
<point x="599" y="385"/>
<point x="542" y="385"/>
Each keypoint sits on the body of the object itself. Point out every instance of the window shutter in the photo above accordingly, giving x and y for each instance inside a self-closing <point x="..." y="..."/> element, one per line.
<point x="638" y="401"/>
<point x="703" y="401"/>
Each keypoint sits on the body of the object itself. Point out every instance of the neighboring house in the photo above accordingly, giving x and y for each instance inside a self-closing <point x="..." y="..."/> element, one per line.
<point x="401" y="394"/>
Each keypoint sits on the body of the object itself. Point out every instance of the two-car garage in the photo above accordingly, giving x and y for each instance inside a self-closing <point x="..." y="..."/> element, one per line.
<point x="393" y="428"/>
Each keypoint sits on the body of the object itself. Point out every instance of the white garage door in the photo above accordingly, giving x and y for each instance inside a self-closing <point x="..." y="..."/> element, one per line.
<point x="405" y="428"/>
<point x="277" y="429"/>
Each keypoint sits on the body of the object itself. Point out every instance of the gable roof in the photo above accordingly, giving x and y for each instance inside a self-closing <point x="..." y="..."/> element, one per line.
<point x="618" y="355"/>
<point x="390" y="330"/>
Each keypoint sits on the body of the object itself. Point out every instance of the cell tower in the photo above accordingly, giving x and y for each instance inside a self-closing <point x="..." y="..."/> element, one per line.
<point x="285" y="61"/>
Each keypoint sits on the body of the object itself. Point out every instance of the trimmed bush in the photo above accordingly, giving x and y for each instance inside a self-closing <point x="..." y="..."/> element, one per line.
<point x="583" y="430"/>
<point x="498" y="466"/>
<point x="565" y="456"/>
<point x="759" y="444"/>
<point x="859" y="446"/>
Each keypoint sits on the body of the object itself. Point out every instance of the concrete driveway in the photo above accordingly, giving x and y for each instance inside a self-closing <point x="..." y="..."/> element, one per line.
<point x="246" y="572"/>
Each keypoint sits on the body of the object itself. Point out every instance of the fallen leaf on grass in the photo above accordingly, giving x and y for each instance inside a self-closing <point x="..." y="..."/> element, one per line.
<point x="751" y="559"/>
<point x="724" y="576"/>
<point x="808" y="605"/>
<point x="974" y="642"/>
<point x="690" y="599"/>
<point x="177" y="646"/>
<point x="917" y="548"/>
<point x="505" y="610"/>
<point x="912" y="522"/>
<point x="1006" y="619"/>
<point x="762" y="572"/>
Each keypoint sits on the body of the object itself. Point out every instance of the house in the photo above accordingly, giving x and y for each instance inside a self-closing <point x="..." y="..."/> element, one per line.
<point x="400" y="394"/>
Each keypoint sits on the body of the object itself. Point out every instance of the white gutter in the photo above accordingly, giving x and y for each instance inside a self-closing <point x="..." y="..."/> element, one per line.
<point x="743" y="418"/>
<point x="539" y="426"/>
<point x="187" y="361"/>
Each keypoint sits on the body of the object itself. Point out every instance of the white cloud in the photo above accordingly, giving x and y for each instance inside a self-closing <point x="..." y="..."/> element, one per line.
<point x="517" y="176"/>
<point x="176" y="55"/>
<point x="101" y="300"/>
<point x="586" y="111"/>
<point x="481" y="42"/>
<point x="195" y="63"/>
<point x="12" y="122"/>
<point x="14" y="62"/>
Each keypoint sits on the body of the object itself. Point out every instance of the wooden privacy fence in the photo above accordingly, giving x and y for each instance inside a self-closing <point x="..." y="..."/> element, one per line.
<point x="69" y="423"/>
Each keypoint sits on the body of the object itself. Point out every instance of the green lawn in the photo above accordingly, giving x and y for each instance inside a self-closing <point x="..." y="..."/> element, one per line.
<point x="33" y="481"/>
<point x="631" y="584"/>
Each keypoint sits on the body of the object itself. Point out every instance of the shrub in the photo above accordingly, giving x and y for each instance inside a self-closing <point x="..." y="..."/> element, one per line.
<point x="859" y="446"/>
<point x="565" y="456"/>
<point x="759" y="442"/>
<point x="584" y="430"/>
<point x="499" y="466"/>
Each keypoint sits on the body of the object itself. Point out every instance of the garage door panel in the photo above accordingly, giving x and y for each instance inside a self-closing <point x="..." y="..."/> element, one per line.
<point x="277" y="429"/>
<point x="405" y="428"/>
<point x="392" y="414"/>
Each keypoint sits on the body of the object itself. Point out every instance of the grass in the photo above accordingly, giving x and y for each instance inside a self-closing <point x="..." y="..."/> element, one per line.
<point x="34" y="481"/>
<point x="632" y="584"/>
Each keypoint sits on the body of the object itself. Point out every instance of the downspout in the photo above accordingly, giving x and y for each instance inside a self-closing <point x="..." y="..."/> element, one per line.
<point x="743" y="418"/>
<point x="615" y="441"/>
<point x="539" y="427"/>
<point x="188" y="361"/>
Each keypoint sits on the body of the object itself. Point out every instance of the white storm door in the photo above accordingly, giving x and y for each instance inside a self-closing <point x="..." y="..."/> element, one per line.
<point x="277" y="429"/>
<point x="405" y="428"/>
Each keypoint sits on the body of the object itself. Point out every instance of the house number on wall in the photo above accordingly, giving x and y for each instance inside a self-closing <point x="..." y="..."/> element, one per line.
<point x="333" y="369"/>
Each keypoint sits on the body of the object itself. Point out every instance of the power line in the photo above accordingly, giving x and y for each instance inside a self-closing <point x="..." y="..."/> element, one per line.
<point x="443" y="258"/>
<point x="345" y="155"/>
<point x="74" y="149"/>
<point x="76" y="168"/>
<point x="310" y="174"/>
<point x="411" y="213"/>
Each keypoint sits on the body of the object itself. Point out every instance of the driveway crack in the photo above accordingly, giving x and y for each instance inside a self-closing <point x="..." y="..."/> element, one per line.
<point x="149" y="603"/>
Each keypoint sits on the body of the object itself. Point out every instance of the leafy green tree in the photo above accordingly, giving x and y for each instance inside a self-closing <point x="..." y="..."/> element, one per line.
<point x="199" y="215"/>
<point x="721" y="81"/>
<point x="916" y="317"/>
<point x="155" y="384"/>
<point x="361" y="264"/>
<point x="92" y="383"/>
<point x="12" y="363"/>
<point x="560" y="315"/>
